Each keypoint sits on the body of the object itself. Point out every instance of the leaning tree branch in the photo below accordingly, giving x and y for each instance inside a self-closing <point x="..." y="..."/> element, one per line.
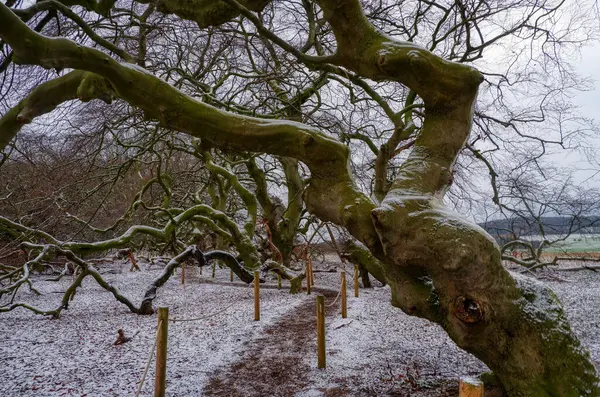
<point x="231" y="262"/>
<point x="247" y="197"/>
<point x="86" y="269"/>
<point x="27" y="233"/>
<point x="47" y="96"/>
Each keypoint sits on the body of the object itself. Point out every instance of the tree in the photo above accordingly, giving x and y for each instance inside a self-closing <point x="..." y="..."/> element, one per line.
<point x="438" y="264"/>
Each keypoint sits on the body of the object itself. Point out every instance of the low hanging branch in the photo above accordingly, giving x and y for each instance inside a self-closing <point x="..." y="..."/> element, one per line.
<point x="150" y="295"/>
<point x="232" y="263"/>
<point x="358" y="254"/>
<point x="295" y="280"/>
<point x="47" y="251"/>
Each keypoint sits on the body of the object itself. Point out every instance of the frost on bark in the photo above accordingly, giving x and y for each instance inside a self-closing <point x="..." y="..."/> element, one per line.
<point x="439" y="265"/>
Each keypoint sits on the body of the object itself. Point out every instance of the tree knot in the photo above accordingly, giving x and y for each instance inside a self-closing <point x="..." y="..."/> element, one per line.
<point x="468" y="310"/>
<point x="381" y="62"/>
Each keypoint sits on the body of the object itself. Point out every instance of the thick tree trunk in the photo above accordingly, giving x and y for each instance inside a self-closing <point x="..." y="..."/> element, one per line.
<point x="282" y="221"/>
<point x="364" y="276"/>
<point x="444" y="269"/>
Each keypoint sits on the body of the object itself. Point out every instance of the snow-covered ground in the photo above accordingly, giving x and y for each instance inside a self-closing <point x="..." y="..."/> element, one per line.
<point x="375" y="351"/>
<point x="378" y="349"/>
<point x="381" y="351"/>
<point x="74" y="355"/>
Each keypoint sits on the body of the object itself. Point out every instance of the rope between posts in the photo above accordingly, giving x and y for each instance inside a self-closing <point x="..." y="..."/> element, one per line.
<point x="139" y="390"/>
<point x="336" y="298"/>
<point x="201" y="318"/>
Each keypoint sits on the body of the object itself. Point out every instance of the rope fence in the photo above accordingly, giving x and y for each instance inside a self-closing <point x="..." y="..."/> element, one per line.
<point x="468" y="387"/>
<point x="160" y="341"/>
<point x="148" y="362"/>
<point x="179" y="320"/>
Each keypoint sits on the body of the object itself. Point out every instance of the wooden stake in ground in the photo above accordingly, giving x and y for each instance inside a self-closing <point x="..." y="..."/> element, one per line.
<point x="356" y="281"/>
<point x="213" y="273"/>
<point x="256" y="297"/>
<point x="279" y="281"/>
<point x="160" y="382"/>
<point x="134" y="265"/>
<point x="231" y="275"/>
<point x="344" y="297"/>
<point x="321" y="331"/>
<point x="308" y="283"/>
<point x="312" y="274"/>
<point x="183" y="273"/>
<point x="470" y="387"/>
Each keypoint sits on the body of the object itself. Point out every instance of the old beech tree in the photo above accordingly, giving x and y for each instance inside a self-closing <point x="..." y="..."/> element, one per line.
<point x="440" y="266"/>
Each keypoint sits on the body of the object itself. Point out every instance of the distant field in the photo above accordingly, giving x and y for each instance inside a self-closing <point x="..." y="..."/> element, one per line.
<point x="573" y="243"/>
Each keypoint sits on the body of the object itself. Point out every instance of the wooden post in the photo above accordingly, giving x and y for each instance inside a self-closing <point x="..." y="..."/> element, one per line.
<point x="321" y="331"/>
<point x="312" y="274"/>
<point x="308" y="283"/>
<point x="134" y="265"/>
<point x="470" y="387"/>
<point x="183" y="273"/>
<point x="256" y="297"/>
<point x="231" y="275"/>
<point x="344" y="298"/>
<point x="356" y="281"/>
<point x="213" y="273"/>
<point x="160" y="381"/>
<point x="278" y="281"/>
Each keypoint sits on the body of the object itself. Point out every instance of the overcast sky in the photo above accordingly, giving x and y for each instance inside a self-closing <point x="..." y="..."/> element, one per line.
<point x="589" y="65"/>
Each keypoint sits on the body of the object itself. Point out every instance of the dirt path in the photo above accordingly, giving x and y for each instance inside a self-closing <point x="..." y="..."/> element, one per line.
<point x="273" y="365"/>
<point x="280" y="364"/>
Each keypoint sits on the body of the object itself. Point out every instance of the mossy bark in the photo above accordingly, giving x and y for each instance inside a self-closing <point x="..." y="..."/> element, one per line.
<point x="295" y="280"/>
<point x="359" y="255"/>
<point x="283" y="223"/>
<point x="206" y="12"/>
<point x="47" y="96"/>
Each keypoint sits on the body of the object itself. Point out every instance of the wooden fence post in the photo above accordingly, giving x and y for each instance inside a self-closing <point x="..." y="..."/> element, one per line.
<point x="308" y="282"/>
<point x="213" y="270"/>
<point x="183" y="273"/>
<point x="278" y="281"/>
<point x="344" y="297"/>
<point x="256" y="297"/>
<point x="470" y="387"/>
<point x="160" y="381"/>
<point x="356" y="281"/>
<point x="231" y="275"/>
<point x="321" y="331"/>
<point x="134" y="265"/>
<point x="312" y="274"/>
